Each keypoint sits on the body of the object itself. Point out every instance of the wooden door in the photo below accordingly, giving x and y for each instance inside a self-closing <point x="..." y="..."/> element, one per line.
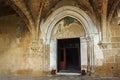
<point x="72" y="58"/>
<point x="62" y="59"/>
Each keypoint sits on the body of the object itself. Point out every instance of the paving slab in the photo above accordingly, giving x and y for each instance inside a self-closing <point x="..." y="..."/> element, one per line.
<point x="56" y="77"/>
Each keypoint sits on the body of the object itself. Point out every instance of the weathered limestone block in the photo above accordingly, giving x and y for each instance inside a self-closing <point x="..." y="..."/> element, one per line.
<point x="115" y="45"/>
<point x="115" y="39"/>
<point x="117" y="59"/>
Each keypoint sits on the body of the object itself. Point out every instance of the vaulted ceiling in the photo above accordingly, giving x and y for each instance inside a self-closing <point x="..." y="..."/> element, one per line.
<point x="5" y="9"/>
<point x="32" y="11"/>
<point x="33" y="6"/>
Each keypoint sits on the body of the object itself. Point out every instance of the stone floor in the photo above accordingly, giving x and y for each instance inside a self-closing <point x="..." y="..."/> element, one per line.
<point x="18" y="77"/>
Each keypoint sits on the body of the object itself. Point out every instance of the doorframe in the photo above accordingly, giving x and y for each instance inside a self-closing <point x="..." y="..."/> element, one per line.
<point x="88" y="57"/>
<point x="93" y="35"/>
<point x="79" y="53"/>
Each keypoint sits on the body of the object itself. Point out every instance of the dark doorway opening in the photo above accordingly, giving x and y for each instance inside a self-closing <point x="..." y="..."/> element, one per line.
<point x="69" y="55"/>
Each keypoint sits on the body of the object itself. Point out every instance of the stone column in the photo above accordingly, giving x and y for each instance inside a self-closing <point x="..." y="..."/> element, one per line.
<point x="53" y="54"/>
<point x="92" y="55"/>
<point x="84" y="55"/>
<point x="104" y="20"/>
<point x="88" y="55"/>
<point x="90" y="52"/>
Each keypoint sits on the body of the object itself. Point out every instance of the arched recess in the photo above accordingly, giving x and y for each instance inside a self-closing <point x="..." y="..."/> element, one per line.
<point x="91" y="38"/>
<point x="71" y="11"/>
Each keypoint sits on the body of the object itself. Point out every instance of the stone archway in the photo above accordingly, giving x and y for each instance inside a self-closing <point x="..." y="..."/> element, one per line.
<point x="91" y="38"/>
<point x="71" y="11"/>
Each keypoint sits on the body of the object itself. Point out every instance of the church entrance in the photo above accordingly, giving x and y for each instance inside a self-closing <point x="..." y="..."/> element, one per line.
<point x="85" y="36"/>
<point x="69" y="55"/>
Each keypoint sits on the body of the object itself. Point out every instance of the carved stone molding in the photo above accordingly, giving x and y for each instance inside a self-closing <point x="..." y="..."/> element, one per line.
<point x="105" y="45"/>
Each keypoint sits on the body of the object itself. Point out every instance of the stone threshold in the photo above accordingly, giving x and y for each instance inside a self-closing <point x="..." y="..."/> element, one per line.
<point x="65" y="73"/>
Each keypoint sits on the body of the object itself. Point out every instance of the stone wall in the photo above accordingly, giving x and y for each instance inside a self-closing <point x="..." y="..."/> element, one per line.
<point x="13" y="44"/>
<point x="18" y="53"/>
<point x="111" y="51"/>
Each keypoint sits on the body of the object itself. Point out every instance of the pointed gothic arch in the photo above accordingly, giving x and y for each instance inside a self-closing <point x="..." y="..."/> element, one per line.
<point x="91" y="31"/>
<point x="75" y="12"/>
